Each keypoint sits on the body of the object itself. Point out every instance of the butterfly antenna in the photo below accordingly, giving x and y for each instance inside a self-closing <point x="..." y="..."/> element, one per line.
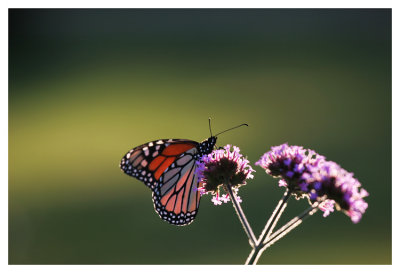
<point x="244" y="124"/>
<point x="209" y="125"/>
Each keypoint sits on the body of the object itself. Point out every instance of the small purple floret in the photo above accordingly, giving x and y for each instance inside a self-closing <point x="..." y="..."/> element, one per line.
<point x="282" y="183"/>
<point x="327" y="207"/>
<point x="216" y="200"/>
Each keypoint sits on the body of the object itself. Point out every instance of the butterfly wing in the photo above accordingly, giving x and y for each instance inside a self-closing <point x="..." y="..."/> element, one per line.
<point x="167" y="167"/>
<point x="149" y="161"/>
<point x="176" y="198"/>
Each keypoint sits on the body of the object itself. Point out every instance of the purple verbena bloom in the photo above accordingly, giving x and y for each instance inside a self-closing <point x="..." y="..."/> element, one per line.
<point x="339" y="185"/>
<point x="222" y="167"/>
<point x="308" y="174"/>
<point x="290" y="163"/>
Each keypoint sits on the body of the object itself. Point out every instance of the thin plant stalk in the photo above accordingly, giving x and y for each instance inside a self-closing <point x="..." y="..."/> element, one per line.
<point x="273" y="220"/>
<point x="269" y="227"/>
<point x="242" y="217"/>
<point x="292" y="224"/>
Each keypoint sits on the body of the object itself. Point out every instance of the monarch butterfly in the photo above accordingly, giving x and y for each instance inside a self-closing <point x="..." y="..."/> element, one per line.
<point x="168" y="168"/>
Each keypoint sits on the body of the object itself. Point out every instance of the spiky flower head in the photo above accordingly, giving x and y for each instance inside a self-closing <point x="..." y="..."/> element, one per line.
<point x="222" y="167"/>
<point x="306" y="173"/>
<point x="340" y="186"/>
<point x="290" y="163"/>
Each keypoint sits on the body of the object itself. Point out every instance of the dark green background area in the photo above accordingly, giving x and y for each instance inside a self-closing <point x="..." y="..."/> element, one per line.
<point x="85" y="86"/>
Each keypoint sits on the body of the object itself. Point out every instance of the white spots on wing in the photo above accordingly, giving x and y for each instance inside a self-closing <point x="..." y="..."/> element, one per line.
<point x="157" y="147"/>
<point x="143" y="163"/>
<point x="151" y="144"/>
<point x="146" y="151"/>
<point x="155" y="154"/>
<point x="159" y="142"/>
<point x="128" y="155"/>
<point x="143" y="173"/>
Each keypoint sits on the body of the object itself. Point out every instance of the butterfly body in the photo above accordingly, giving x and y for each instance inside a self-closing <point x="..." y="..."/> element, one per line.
<point x="167" y="167"/>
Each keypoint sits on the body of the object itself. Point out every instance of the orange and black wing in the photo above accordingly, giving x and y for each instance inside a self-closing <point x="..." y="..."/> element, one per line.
<point x="176" y="198"/>
<point x="167" y="167"/>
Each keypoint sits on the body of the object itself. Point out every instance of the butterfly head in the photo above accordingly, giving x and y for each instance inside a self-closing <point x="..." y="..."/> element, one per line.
<point x="207" y="145"/>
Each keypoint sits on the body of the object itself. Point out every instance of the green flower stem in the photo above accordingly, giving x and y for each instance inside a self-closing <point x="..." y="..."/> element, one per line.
<point x="269" y="227"/>
<point x="259" y="249"/>
<point x="290" y="225"/>
<point x="242" y="217"/>
<point x="273" y="220"/>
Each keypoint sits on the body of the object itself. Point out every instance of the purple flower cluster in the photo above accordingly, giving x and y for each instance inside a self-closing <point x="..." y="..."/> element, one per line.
<point x="339" y="185"/>
<point x="290" y="163"/>
<point x="222" y="167"/>
<point x="306" y="173"/>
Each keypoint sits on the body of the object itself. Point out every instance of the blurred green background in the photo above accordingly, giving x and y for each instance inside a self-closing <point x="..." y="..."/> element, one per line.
<point x="85" y="86"/>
